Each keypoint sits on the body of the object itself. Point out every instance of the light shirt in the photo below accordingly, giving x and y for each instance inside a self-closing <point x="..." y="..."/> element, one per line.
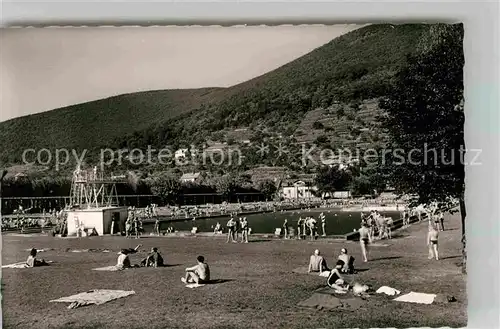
<point x="123" y="261"/>
<point x="31" y="261"/>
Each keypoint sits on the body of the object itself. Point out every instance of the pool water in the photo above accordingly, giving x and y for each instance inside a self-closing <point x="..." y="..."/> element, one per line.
<point x="337" y="222"/>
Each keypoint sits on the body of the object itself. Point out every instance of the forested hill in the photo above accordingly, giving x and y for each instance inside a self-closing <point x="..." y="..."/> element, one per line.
<point x="351" y="68"/>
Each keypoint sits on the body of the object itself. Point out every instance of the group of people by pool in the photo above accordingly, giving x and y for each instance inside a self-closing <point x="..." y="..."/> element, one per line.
<point x="234" y="228"/>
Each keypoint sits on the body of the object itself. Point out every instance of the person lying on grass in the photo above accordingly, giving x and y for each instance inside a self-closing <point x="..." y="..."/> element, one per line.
<point x="317" y="263"/>
<point x="198" y="274"/>
<point x="153" y="259"/>
<point x="335" y="279"/>
<point x="32" y="261"/>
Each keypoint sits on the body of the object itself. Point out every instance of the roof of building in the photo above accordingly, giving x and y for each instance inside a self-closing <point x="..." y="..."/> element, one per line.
<point x="188" y="176"/>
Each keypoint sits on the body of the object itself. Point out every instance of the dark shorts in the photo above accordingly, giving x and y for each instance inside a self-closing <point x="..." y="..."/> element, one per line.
<point x="434" y="242"/>
<point x="365" y="240"/>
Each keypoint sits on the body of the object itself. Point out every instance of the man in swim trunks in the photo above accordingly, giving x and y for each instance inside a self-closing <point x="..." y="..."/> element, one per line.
<point x="230" y="230"/>
<point x="441" y="220"/>
<point x="322" y="217"/>
<point x="364" y="241"/>
<point x="432" y="242"/>
<point x="317" y="263"/>
<point x="311" y="225"/>
<point x="198" y="274"/>
<point x="299" y="225"/>
<point x="285" y="228"/>
<point x="244" y="230"/>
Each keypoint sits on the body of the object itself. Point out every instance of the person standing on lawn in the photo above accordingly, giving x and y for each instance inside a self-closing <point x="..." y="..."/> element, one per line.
<point x="285" y="228"/>
<point x="432" y="242"/>
<point x="157" y="226"/>
<point x="322" y="217"/>
<point x="441" y="219"/>
<point x="364" y="241"/>
<point x="299" y="225"/>
<point x="244" y="230"/>
<point x="230" y="228"/>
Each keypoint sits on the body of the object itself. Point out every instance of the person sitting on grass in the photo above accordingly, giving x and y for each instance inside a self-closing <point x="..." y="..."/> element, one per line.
<point x="317" y="263"/>
<point x="348" y="262"/>
<point x="198" y="274"/>
<point x="123" y="260"/>
<point x="335" y="279"/>
<point x="32" y="261"/>
<point x="154" y="259"/>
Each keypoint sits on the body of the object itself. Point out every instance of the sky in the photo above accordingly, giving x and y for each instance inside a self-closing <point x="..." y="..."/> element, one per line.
<point x="46" y="68"/>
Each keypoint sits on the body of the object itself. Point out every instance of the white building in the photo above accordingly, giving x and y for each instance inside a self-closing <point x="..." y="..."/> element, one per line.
<point x="190" y="177"/>
<point x="98" y="219"/>
<point x="298" y="190"/>
<point x="180" y="153"/>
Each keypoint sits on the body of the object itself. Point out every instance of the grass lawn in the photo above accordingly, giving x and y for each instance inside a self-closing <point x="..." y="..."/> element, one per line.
<point x="261" y="291"/>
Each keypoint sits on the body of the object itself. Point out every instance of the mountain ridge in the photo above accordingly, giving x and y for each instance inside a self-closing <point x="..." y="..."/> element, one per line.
<point x="355" y="66"/>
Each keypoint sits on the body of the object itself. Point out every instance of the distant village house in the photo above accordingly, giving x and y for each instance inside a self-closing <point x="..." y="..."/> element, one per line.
<point x="190" y="177"/>
<point x="298" y="190"/>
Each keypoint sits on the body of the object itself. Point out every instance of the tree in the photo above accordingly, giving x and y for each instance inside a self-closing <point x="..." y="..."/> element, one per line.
<point x="331" y="179"/>
<point x="268" y="188"/>
<point x="317" y="125"/>
<point x="225" y="185"/>
<point x="367" y="181"/>
<point x="425" y="115"/>
<point x="167" y="188"/>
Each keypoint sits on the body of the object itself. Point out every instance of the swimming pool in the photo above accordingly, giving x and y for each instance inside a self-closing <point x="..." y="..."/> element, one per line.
<point x="337" y="222"/>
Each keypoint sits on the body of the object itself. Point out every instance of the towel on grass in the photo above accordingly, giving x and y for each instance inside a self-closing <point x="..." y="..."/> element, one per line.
<point x="416" y="297"/>
<point x="325" y="274"/>
<point x="21" y="265"/>
<point x="97" y="297"/>
<point x="106" y="268"/>
<point x="16" y="265"/>
<point x="40" y="250"/>
<point x="303" y="270"/>
<point x="194" y="285"/>
<point x="388" y="291"/>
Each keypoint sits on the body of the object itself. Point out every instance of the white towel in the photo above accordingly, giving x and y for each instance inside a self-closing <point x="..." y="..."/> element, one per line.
<point x="16" y="265"/>
<point x="194" y="285"/>
<point x="97" y="297"/>
<point x="416" y="297"/>
<point x="111" y="268"/>
<point x="388" y="291"/>
<point x="325" y="274"/>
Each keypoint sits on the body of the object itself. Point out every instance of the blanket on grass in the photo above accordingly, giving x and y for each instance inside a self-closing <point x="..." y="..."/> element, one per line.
<point x="416" y="297"/>
<point x="194" y="285"/>
<point x="21" y="265"/>
<point x="303" y="270"/>
<point x="16" y="265"/>
<point x="97" y="297"/>
<point x="111" y="268"/>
